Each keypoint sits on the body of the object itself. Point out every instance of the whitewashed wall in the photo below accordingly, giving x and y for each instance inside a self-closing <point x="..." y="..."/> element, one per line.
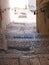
<point x="32" y="4"/>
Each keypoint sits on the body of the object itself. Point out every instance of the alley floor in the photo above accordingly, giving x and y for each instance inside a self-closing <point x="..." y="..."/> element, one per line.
<point x="19" y="45"/>
<point x="37" y="55"/>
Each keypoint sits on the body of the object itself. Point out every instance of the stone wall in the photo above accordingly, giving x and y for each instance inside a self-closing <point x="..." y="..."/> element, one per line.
<point x="42" y="19"/>
<point x="0" y="14"/>
<point x="5" y="14"/>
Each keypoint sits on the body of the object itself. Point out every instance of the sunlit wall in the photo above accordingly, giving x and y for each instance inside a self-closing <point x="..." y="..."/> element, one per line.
<point x="19" y="6"/>
<point x="18" y="3"/>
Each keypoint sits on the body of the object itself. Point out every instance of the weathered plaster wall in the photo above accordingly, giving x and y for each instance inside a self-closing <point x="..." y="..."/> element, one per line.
<point x="5" y="13"/>
<point x="0" y="14"/>
<point x="42" y="21"/>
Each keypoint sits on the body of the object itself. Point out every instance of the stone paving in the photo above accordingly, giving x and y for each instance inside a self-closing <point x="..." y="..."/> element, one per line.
<point x="38" y="53"/>
<point x="12" y="59"/>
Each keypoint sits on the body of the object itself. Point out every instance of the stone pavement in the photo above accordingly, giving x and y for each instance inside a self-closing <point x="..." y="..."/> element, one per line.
<point x="15" y="41"/>
<point x="34" y="59"/>
<point x="37" y="55"/>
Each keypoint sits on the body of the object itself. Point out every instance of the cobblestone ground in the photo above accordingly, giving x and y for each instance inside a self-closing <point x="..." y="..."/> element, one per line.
<point x="38" y="55"/>
<point x="37" y="52"/>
